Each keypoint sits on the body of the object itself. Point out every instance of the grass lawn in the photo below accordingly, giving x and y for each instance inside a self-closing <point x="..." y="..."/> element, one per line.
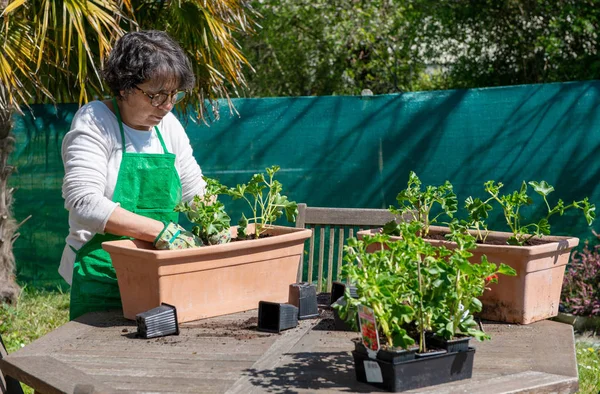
<point x="588" y="363"/>
<point x="39" y="312"/>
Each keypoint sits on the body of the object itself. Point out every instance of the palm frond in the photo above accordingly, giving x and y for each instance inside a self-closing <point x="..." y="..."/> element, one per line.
<point x="52" y="50"/>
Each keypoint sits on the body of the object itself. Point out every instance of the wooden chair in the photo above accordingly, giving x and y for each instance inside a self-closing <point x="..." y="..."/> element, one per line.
<point x="8" y="385"/>
<point x="341" y="224"/>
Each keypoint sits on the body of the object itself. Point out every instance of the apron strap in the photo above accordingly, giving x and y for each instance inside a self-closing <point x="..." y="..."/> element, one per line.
<point x="118" y="113"/>
<point x="160" y="138"/>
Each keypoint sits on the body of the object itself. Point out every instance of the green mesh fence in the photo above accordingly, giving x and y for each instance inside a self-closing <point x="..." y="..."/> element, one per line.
<point x="349" y="152"/>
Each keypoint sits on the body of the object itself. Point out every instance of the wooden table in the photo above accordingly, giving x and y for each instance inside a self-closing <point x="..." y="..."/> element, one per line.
<point x="100" y="353"/>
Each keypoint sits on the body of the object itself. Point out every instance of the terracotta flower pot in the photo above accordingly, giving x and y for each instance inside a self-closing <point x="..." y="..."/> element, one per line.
<point x="532" y="295"/>
<point x="211" y="280"/>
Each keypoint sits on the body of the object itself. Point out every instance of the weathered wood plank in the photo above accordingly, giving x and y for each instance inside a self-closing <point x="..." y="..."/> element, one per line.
<point x="347" y="216"/>
<point x="50" y="376"/>
<point x="311" y="256"/>
<point x="321" y="257"/>
<point x="321" y="361"/>
<point x="330" y="258"/>
<point x="166" y="384"/>
<point x="246" y="383"/>
<point x="340" y="253"/>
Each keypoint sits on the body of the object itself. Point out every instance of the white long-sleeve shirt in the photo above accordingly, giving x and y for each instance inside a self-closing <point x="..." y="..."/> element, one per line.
<point x="92" y="152"/>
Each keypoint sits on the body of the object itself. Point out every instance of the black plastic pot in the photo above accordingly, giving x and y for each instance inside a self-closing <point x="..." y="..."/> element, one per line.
<point x="460" y="344"/>
<point x="304" y="297"/>
<point x="276" y="317"/>
<point x="420" y="372"/>
<point x="157" y="322"/>
<point x="339" y="323"/>
<point x="338" y="289"/>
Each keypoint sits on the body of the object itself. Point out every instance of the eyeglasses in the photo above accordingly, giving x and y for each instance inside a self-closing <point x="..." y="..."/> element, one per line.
<point x="159" y="99"/>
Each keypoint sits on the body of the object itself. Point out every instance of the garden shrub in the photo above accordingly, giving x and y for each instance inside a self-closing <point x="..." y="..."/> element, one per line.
<point x="581" y="285"/>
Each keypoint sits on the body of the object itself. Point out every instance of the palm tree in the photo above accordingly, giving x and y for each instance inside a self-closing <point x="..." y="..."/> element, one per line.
<point x="51" y="50"/>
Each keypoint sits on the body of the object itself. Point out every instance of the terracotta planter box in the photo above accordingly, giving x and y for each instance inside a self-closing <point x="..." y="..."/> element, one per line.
<point x="211" y="280"/>
<point x="532" y="295"/>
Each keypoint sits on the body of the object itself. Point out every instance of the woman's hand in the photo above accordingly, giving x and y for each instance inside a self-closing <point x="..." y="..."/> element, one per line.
<point x="175" y="237"/>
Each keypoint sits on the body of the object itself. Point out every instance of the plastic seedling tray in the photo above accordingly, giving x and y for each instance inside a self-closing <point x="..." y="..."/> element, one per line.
<point x="304" y="296"/>
<point x="276" y="317"/>
<point x="158" y="322"/>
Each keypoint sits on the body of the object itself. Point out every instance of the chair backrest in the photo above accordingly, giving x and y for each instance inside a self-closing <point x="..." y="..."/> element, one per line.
<point x="332" y="226"/>
<point x="8" y="385"/>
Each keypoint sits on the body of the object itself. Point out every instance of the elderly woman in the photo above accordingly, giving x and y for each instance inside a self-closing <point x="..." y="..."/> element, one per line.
<point x="128" y="162"/>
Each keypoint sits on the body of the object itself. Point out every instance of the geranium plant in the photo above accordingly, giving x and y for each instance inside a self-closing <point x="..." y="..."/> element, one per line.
<point x="263" y="195"/>
<point x="418" y="203"/>
<point x="208" y="214"/>
<point x="414" y="287"/>
<point x="512" y="203"/>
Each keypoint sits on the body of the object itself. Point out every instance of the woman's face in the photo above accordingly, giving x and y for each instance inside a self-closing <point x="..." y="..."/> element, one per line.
<point x="136" y="107"/>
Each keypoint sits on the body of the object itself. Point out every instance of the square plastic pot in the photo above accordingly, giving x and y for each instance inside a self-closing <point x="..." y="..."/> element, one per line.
<point x="276" y="317"/>
<point x="157" y="322"/>
<point x="208" y="281"/>
<point x="460" y="344"/>
<point x="532" y="295"/>
<point x="304" y="297"/>
<point x="338" y="289"/>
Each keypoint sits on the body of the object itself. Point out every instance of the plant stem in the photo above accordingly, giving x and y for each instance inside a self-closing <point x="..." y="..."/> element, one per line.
<point x="422" y="346"/>
<point x="457" y="314"/>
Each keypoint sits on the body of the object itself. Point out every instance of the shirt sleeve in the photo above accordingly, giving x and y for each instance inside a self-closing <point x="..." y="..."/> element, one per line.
<point x="86" y="149"/>
<point x="190" y="173"/>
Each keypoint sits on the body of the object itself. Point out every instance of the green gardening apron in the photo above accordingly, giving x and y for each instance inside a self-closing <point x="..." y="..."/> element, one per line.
<point x="148" y="185"/>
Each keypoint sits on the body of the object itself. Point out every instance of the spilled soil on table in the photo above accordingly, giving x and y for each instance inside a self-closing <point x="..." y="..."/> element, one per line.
<point x="240" y="329"/>
<point x="245" y="329"/>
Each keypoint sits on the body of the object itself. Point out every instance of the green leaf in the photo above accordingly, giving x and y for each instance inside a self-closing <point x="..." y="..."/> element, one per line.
<point x="506" y="270"/>
<point x="391" y="228"/>
<point x="476" y="305"/>
<point x="544" y="227"/>
<point x="542" y="188"/>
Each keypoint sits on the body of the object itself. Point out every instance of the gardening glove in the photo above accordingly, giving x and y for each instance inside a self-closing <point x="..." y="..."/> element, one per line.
<point x="174" y="237"/>
<point x="221" y="237"/>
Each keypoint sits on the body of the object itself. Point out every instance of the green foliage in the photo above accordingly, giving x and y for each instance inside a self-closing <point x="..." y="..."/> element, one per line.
<point x="321" y="47"/>
<point x="418" y="204"/>
<point x="497" y="43"/>
<point x="263" y="195"/>
<point x="207" y="212"/>
<point x="414" y="287"/>
<point x="511" y="204"/>
<point x="318" y="47"/>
